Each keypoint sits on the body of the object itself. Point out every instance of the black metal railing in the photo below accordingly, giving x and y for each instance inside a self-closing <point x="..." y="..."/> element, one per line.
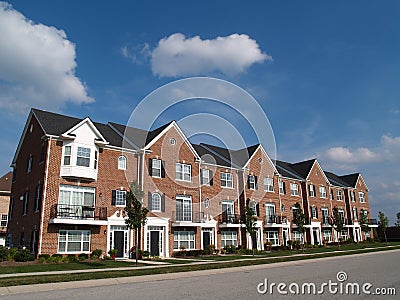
<point x="228" y="218"/>
<point x="194" y="217"/>
<point x="78" y="212"/>
<point x="273" y="219"/>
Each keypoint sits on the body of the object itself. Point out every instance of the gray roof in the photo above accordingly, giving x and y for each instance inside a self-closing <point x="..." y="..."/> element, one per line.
<point x="223" y="156"/>
<point x="350" y="179"/>
<point x="335" y="179"/>
<point x="285" y="169"/>
<point x="303" y="168"/>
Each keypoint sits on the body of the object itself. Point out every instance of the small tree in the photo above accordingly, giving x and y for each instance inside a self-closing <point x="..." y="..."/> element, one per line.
<point x="135" y="212"/>
<point x="364" y="221"/>
<point x="299" y="219"/>
<point x="338" y="222"/>
<point x="383" y="223"/>
<point x="249" y="220"/>
<point x="398" y="220"/>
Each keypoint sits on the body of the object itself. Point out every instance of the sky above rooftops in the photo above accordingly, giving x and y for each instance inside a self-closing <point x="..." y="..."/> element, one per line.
<point x="326" y="74"/>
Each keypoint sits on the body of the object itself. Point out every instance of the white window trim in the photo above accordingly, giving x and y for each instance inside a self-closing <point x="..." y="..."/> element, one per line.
<point x="122" y="162"/>
<point x="252" y="182"/>
<point x="157" y="168"/>
<point x="268" y="187"/>
<point x="152" y="202"/>
<point x="361" y="196"/>
<point x="191" y="239"/>
<point x="205" y="179"/>
<point x="182" y="167"/>
<point x="83" y="157"/>
<point x="120" y="192"/>
<point x="311" y="188"/>
<point x="339" y="195"/>
<point x="229" y="178"/>
<point x="322" y="194"/>
<point x="294" y="192"/>
<point x="81" y="241"/>
<point x="233" y="238"/>
<point x="281" y="189"/>
<point x="273" y="238"/>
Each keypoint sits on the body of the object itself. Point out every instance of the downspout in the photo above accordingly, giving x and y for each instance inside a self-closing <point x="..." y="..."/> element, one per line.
<point x="44" y="196"/>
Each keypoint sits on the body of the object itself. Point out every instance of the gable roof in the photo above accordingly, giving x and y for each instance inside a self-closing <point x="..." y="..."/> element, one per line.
<point x="285" y="169"/>
<point x="335" y="179"/>
<point x="350" y="179"/>
<point x="226" y="157"/>
<point x="5" y="183"/>
<point x="304" y="167"/>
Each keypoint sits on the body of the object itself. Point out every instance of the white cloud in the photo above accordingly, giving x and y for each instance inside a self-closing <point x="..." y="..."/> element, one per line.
<point x="177" y="55"/>
<point x="137" y="54"/>
<point x="345" y="155"/>
<point x="37" y="65"/>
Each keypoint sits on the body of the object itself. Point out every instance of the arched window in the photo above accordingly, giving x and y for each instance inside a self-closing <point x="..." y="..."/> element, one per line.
<point x="122" y="163"/>
<point x="156" y="202"/>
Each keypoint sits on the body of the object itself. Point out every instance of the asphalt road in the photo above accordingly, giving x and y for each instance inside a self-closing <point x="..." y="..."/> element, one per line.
<point x="380" y="270"/>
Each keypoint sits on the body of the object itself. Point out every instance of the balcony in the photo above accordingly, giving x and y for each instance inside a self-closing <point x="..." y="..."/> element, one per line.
<point x="326" y="221"/>
<point x="78" y="214"/>
<point x="78" y="172"/>
<point x="373" y="222"/>
<point x="273" y="219"/>
<point x="182" y="218"/>
<point x="225" y="218"/>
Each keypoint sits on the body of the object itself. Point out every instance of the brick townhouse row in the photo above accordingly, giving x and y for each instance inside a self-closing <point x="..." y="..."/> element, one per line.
<point x="71" y="175"/>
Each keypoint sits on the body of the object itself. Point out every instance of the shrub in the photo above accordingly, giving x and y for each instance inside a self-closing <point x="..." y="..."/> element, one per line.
<point x="230" y="249"/>
<point x="83" y="256"/>
<point x="11" y="253"/>
<point x="97" y="252"/>
<point x="146" y="253"/>
<point x="72" y="258"/>
<point x="55" y="258"/>
<point x="209" y="250"/>
<point x="45" y="256"/>
<point x="3" y="253"/>
<point x="24" y="256"/>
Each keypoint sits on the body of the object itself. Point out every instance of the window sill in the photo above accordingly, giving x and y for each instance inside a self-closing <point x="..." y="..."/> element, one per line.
<point x="268" y="191"/>
<point x="227" y="187"/>
<point x="183" y="180"/>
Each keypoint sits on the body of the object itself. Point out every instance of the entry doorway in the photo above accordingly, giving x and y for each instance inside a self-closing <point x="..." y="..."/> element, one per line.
<point x="315" y="236"/>
<point x="155" y="240"/>
<point x="119" y="240"/>
<point x="207" y="235"/>
<point x="285" y="234"/>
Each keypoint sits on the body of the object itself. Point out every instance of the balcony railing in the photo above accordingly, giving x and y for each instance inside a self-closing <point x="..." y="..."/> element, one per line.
<point x="272" y="219"/>
<point x="228" y="219"/>
<point x="326" y="221"/>
<point x="78" y="212"/>
<point x="372" y="222"/>
<point x="194" y="217"/>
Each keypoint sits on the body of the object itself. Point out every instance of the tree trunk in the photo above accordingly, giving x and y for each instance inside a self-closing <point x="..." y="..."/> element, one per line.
<point x="136" y="248"/>
<point x="384" y="232"/>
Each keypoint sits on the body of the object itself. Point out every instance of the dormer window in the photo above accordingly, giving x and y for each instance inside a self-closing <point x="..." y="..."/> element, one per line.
<point x="83" y="157"/>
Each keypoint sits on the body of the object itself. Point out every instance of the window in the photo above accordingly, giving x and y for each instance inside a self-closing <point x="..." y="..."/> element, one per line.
<point x="253" y="206"/>
<point x="205" y="177"/>
<point x="352" y="196"/>
<point x="355" y="214"/>
<point x="311" y="190"/>
<point x="339" y="195"/>
<point x="183" y="208"/>
<point x="120" y="198"/>
<point x="26" y="201"/>
<point x="72" y="199"/>
<point x="281" y="187"/>
<point x="42" y="153"/>
<point x="270" y="212"/>
<point x="229" y="238"/>
<point x="361" y="197"/>
<point x="29" y="164"/>
<point x="343" y="235"/>
<point x="83" y="157"/>
<point x="268" y="184"/>
<point x="322" y="192"/>
<point x="325" y="216"/>
<point x="341" y="214"/>
<point x="297" y="236"/>
<point x="122" y="163"/>
<point x="73" y="241"/>
<point x="38" y="198"/>
<point x="226" y="180"/>
<point x="273" y="237"/>
<point x="327" y="235"/>
<point x="183" y="172"/>
<point x="4" y="220"/>
<point x="331" y="194"/>
<point x="172" y="141"/>
<point x="294" y="189"/>
<point x="228" y="208"/>
<point x="251" y="182"/>
<point x="184" y="239"/>
<point x="156" y="167"/>
<point x="207" y="203"/>
<point x="156" y="202"/>
<point x="67" y="155"/>
<point x="95" y="159"/>
<point x="314" y="212"/>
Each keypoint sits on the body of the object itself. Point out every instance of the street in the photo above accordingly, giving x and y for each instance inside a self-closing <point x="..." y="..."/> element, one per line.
<point x="379" y="269"/>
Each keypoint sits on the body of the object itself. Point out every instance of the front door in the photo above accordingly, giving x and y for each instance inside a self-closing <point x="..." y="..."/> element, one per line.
<point x="285" y="236"/>
<point x="119" y="243"/>
<point x="154" y="243"/>
<point x="315" y="234"/>
<point x="206" y="239"/>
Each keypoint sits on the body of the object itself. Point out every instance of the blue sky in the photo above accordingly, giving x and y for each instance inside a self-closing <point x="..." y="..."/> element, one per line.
<point x="327" y="74"/>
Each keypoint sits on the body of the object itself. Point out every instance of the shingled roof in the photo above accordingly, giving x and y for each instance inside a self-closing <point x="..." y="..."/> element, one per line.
<point x="285" y="169"/>
<point x="303" y="168"/>
<point x="5" y="183"/>
<point x="350" y="179"/>
<point x="335" y="179"/>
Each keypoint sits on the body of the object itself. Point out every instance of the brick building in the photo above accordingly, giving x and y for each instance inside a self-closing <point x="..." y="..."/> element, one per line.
<point x="5" y="192"/>
<point x="71" y="176"/>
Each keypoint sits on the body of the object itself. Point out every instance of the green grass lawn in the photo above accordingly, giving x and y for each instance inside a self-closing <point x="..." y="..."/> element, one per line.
<point x="44" y="267"/>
